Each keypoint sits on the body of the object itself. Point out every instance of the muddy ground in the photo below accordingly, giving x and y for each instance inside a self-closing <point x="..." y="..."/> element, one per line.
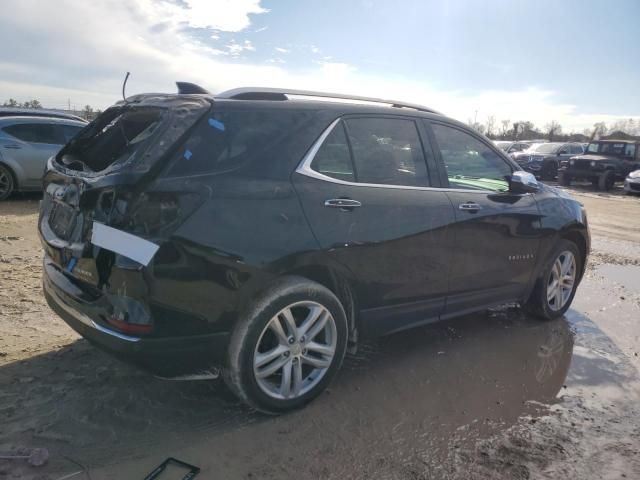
<point x="491" y="395"/>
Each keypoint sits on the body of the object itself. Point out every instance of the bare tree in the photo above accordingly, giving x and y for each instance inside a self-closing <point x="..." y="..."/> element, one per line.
<point x="505" y="127"/>
<point x="11" y="103"/>
<point x="599" y="129"/>
<point x="553" y="129"/>
<point x="32" y="104"/>
<point x="489" y="125"/>
<point x="87" y="112"/>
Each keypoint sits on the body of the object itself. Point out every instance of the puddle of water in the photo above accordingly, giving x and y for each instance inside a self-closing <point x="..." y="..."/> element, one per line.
<point x="626" y="275"/>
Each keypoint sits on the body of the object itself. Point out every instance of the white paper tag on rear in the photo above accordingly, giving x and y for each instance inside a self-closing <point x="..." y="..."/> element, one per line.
<point x="130" y="246"/>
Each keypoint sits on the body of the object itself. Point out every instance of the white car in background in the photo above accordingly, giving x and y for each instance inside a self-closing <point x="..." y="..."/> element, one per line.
<point x="632" y="183"/>
<point x="26" y="143"/>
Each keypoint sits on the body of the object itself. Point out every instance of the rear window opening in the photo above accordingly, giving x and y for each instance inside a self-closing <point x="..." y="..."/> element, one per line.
<point x="117" y="136"/>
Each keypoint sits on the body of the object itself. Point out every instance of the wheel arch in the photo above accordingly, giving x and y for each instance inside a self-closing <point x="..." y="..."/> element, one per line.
<point x="12" y="171"/>
<point x="338" y="285"/>
<point x="579" y="239"/>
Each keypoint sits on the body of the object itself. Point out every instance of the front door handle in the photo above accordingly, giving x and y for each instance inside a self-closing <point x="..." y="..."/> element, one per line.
<point x="342" y="203"/>
<point x="13" y="146"/>
<point x="470" y="207"/>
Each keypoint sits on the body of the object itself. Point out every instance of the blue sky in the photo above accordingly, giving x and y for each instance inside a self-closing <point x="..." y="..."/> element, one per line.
<point x="576" y="62"/>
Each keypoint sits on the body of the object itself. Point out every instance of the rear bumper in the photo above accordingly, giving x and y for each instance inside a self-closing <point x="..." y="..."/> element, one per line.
<point x="166" y="356"/>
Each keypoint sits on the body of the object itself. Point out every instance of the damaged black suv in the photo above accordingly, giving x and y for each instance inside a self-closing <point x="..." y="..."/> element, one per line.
<point x="259" y="233"/>
<point x="604" y="163"/>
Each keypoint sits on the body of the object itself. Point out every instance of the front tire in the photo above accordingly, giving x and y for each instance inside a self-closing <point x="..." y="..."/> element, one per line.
<point x="564" y="179"/>
<point x="606" y="181"/>
<point x="287" y="346"/>
<point x="555" y="289"/>
<point x="7" y="184"/>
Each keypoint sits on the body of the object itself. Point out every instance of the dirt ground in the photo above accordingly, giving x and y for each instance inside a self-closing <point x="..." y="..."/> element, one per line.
<point x="491" y="395"/>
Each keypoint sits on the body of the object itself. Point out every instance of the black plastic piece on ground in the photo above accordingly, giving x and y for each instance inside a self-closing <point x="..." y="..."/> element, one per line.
<point x="193" y="470"/>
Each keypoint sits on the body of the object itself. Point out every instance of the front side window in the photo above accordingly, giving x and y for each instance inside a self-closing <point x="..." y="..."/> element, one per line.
<point x="470" y="164"/>
<point x="387" y="151"/>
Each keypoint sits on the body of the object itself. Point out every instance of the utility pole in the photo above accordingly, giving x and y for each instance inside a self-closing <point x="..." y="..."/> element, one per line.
<point x="475" y="118"/>
<point x="69" y="104"/>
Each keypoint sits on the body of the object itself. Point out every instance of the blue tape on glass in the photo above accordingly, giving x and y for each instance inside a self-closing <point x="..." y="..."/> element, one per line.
<point x="216" y="124"/>
<point x="72" y="264"/>
<point x="187" y="154"/>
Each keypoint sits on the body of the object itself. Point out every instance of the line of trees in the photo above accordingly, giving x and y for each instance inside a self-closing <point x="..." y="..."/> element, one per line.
<point x="552" y="131"/>
<point x="87" y="112"/>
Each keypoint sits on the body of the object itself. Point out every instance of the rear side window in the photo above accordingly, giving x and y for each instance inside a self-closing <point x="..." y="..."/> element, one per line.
<point x="333" y="158"/>
<point x="228" y="138"/>
<point x="69" y="131"/>
<point x="35" y="133"/>
<point x="387" y="151"/>
<point x="470" y="164"/>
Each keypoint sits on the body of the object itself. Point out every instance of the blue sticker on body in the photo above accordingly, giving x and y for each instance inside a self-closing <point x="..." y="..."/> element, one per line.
<point x="72" y="263"/>
<point x="216" y="124"/>
<point x="187" y="154"/>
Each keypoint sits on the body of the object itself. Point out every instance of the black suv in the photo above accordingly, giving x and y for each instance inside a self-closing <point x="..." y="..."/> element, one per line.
<point x="260" y="235"/>
<point x="604" y="163"/>
<point x="544" y="159"/>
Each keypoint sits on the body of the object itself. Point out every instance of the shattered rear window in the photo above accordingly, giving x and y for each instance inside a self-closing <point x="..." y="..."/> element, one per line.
<point x="117" y="136"/>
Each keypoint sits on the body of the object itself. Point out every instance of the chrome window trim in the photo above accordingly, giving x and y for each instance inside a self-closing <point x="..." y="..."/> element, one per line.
<point x="304" y="168"/>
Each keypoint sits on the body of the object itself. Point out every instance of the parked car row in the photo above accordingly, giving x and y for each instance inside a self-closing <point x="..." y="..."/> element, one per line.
<point x="604" y="163"/>
<point x="601" y="162"/>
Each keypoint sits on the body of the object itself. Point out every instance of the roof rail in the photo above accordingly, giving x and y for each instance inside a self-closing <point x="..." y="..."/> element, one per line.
<point x="259" y="93"/>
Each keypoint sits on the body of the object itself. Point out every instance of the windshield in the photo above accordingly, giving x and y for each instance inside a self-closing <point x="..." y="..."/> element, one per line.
<point x="546" y="148"/>
<point x="613" y="148"/>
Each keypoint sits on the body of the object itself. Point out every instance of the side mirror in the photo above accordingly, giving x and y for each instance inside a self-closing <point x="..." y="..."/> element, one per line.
<point x="523" y="182"/>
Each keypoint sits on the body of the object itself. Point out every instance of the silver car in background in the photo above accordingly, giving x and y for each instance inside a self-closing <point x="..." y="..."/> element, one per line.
<point x="26" y="143"/>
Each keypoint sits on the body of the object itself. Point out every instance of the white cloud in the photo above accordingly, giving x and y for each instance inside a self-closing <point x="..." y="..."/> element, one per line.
<point x="226" y="15"/>
<point x="237" y="48"/>
<point x="314" y="49"/>
<point x="84" y="59"/>
<point x="282" y="50"/>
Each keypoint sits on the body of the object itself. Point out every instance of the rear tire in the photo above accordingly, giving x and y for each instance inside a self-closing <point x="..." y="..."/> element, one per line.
<point x="7" y="183"/>
<point x="606" y="181"/>
<point x="551" y="296"/>
<point x="564" y="179"/>
<point x="279" y="357"/>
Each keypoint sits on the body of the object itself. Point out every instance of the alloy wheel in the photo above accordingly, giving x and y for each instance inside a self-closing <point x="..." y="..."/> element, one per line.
<point x="561" y="280"/>
<point x="295" y="350"/>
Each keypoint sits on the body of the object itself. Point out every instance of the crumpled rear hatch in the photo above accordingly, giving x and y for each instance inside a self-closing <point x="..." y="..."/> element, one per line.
<point x="96" y="185"/>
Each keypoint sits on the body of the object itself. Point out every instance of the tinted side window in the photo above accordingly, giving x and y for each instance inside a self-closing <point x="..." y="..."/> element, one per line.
<point x="229" y="138"/>
<point x="470" y="164"/>
<point x="387" y="151"/>
<point x="33" y="132"/>
<point x="333" y="158"/>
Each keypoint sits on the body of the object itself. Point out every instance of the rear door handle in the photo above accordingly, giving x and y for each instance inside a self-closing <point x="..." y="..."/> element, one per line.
<point x="13" y="146"/>
<point x="470" y="206"/>
<point x="342" y="203"/>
